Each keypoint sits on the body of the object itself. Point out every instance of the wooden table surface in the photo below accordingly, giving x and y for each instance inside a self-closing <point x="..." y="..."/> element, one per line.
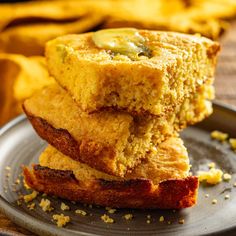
<point x="225" y="84"/>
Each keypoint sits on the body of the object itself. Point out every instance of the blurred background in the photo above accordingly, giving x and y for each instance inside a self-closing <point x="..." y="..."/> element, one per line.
<point x="26" y="26"/>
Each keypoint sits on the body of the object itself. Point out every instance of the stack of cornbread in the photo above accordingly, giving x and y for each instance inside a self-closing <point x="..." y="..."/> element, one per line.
<point x="113" y="117"/>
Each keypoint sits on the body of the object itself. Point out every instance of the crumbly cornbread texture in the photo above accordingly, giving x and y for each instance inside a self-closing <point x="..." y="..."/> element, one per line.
<point x="170" y="160"/>
<point x="161" y="182"/>
<point x="176" y="65"/>
<point x="110" y="141"/>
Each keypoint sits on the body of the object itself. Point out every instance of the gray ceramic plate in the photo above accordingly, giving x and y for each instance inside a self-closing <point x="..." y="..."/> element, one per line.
<point x="20" y="145"/>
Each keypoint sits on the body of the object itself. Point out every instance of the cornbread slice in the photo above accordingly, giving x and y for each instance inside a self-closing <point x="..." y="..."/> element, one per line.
<point x="110" y="141"/>
<point x="128" y="69"/>
<point x="160" y="182"/>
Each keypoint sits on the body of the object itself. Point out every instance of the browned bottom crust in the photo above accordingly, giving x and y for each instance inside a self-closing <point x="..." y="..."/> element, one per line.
<point x="86" y="151"/>
<point x="138" y="193"/>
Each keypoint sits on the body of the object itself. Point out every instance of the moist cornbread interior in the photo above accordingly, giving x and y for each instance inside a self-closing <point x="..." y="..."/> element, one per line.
<point x="98" y="78"/>
<point x="127" y="138"/>
<point x="169" y="161"/>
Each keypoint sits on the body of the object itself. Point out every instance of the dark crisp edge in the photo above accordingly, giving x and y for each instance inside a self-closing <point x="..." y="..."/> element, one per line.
<point x="137" y="193"/>
<point x="92" y="153"/>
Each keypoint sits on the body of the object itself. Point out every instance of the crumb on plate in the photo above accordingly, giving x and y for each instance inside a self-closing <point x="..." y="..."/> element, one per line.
<point x="30" y="197"/>
<point x="128" y="216"/>
<point x="227" y="196"/>
<point x="31" y="206"/>
<point x="218" y="135"/>
<point x="45" y="204"/>
<point x="110" y="210"/>
<point x="214" y="201"/>
<point x="64" y="207"/>
<point x="161" y="219"/>
<point x="18" y="202"/>
<point x="213" y="176"/>
<point x="227" y="177"/>
<point x="81" y="212"/>
<point x="107" y="219"/>
<point x="61" y="219"/>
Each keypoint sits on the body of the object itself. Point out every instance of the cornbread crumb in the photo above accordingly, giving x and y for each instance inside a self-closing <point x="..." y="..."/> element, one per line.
<point x="235" y="184"/>
<point x="7" y="168"/>
<point x="110" y="210"/>
<point x="214" y="201"/>
<point x="168" y="222"/>
<point x="149" y="216"/>
<point x="181" y="221"/>
<point x="227" y="177"/>
<point x="31" y="206"/>
<point x="107" y="219"/>
<point x="232" y="142"/>
<point x="219" y="135"/>
<point x="64" y="207"/>
<point x="148" y="221"/>
<point x="206" y="195"/>
<point x="128" y="216"/>
<point x="30" y="197"/>
<point x="227" y="196"/>
<point x="161" y="219"/>
<point x="61" y="219"/>
<point x="45" y="204"/>
<point x="81" y="212"/>
<point x="213" y="176"/>
<point x="17" y="181"/>
<point x="211" y="165"/>
<point x="18" y="202"/>
<point x="26" y="185"/>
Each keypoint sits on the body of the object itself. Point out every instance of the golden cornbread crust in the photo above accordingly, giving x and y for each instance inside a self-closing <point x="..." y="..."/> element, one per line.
<point x="86" y="151"/>
<point x="168" y="161"/>
<point x="112" y="142"/>
<point x="139" y="193"/>
<point x="97" y="79"/>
